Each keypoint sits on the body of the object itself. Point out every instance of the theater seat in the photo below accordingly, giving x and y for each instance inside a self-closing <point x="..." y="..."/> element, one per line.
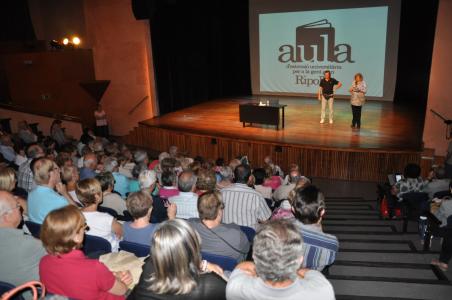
<point x="250" y="232"/>
<point x="5" y="287"/>
<point x="139" y="250"/>
<point x="94" y="246"/>
<point x="227" y="263"/>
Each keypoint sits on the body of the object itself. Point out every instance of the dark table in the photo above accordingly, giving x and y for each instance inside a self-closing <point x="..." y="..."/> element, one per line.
<point x="262" y="114"/>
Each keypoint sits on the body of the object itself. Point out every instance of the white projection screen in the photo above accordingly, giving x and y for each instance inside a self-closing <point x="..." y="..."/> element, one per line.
<point x="293" y="42"/>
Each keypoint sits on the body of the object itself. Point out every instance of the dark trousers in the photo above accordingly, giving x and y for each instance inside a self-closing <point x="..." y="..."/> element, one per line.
<point x="445" y="232"/>
<point x="356" y="110"/>
<point x="102" y="131"/>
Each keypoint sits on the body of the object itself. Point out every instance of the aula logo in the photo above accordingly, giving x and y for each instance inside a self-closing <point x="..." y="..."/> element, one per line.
<point x="316" y="42"/>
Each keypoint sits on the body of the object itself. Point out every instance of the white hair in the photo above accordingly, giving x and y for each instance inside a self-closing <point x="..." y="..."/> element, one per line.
<point x="110" y="164"/>
<point x="140" y="156"/>
<point x="147" y="178"/>
<point x="163" y="155"/>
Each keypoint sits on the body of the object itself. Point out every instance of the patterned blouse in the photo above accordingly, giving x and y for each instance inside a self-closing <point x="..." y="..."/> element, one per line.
<point x="408" y="185"/>
<point x="358" y="91"/>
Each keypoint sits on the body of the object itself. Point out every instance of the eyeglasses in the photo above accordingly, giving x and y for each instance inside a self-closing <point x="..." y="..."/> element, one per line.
<point x="85" y="227"/>
<point x="17" y="206"/>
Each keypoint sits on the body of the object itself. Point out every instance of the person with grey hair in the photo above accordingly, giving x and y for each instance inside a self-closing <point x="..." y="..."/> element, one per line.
<point x="141" y="156"/>
<point x="275" y="273"/>
<point x="122" y="182"/>
<point x="110" y="199"/>
<point x="89" y="166"/>
<point x="173" y="151"/>
<point x="187" y="199"/>
<point x="437" y="181"/>
<point x="134" y="184"/>
<point x="20" y="253"/>
<point x="282" y="192"/>
<point x="225" y="177"/>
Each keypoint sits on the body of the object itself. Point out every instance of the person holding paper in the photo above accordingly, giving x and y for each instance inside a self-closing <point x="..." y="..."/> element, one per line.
<point x="358" y="90"/>
<point x="327" y="88"/>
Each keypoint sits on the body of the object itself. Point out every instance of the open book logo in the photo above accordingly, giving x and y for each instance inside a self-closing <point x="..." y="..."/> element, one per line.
<point x="315" y="42"/>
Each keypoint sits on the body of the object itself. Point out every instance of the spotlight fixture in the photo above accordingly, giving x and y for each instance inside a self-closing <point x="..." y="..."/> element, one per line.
<point x="76" y="40"/>
<point x="54" y="44"/>
<point x="65" y="41"/>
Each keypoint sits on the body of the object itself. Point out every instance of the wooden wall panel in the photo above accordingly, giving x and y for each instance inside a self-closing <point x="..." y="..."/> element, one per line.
<point x="316" y="162"/>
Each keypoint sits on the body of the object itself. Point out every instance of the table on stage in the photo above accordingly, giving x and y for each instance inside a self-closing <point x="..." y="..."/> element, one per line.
<point x="272" y="114"/>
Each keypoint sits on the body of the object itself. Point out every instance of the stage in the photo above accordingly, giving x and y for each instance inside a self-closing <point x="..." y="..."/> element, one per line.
<point x="390" y="136"/>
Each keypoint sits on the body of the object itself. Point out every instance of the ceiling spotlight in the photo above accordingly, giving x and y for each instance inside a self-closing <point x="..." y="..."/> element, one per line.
<point x="54" y="44"/>
<point x="65" y="41"/>
<point x="76" y="41"/>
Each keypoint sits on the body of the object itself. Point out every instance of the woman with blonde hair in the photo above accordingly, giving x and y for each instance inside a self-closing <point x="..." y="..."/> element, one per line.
<point x="8" y="183"/>
<point x="358" y="90"/>
<point x="65" y="270"/>
<point x="175" y="269"/>
<point x="89" y="192"/>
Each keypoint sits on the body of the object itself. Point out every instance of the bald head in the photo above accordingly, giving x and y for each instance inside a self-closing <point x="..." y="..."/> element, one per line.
<point x="187" y="181"/>
<point x="10" y="215"/>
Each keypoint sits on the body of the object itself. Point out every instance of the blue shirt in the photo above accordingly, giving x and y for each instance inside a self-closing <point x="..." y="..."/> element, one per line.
<point x="134" y="186"/>
<point x="87" y="173"/>
<point x="121" y="184"/>
<point x="139" y="235"/>
<point x="43" y="200"/>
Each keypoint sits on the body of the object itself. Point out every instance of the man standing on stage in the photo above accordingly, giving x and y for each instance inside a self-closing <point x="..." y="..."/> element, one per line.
<point x="326" y="94"/>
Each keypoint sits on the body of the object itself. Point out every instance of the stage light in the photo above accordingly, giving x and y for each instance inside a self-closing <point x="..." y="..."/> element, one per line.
<point x="54" y="44"/>
<point x="76" y="40"/>
<point x="65" y="41"/>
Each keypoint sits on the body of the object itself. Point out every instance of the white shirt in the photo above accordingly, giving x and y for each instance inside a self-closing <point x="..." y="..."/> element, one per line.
<point x="283" y="191"/>
<point x="100" y="224"/>
<point x="187" y="205"/>
<point x="114" y="201"/>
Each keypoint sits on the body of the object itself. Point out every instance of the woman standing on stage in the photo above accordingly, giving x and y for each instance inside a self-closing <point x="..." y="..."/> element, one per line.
<point x="358" y="91"/>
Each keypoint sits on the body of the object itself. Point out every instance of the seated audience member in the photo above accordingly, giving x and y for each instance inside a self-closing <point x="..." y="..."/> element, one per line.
<point x="63" y="159"/>
<point x="141" y="157"/>
<point x="271" y="178"/>
<point x="169" y="185"/>
<point x="57" y="133"/>
<point x="187" y="200"/>
<point x="226" y="177"/>
<point x="175" y="269"/>
<point x="437" y="182"/>
<point x="110" y="199"/>
<point x="121" y="181"/>
<point x="7" y="148"/>
<point x="70" y="177"/>
<point x="101" y="224"/>
<point x="284" y="211"/>
<point x="43" y="199"/>
<point x="259" y="178"/>
<point x="147" y="181"/>
<point x="275" y="273"/>
<point x="134" y="183"/>
<point x="125" y="165"/>
<point x="319" y="248"/>
<point x="25" y="133"/>
<point x="87" y="136"/>
<point x="65" y="270"/>
<point x="206" y="181"/>
<point x="445" y="208"/>
<point x="218" y="238"/>
<point x="173" y="151"/>
<point x="89" y="166"/>
<point x="8" y="184"/>
<point x="140" y="230"/>
<point x="243" y="205"/>
<point x="292" y="167"/>
<point x="411" y="181"/>
<point x="276" y="169"/>
<point x="21" y="157"/>
<point x="20" y="254"/>
<point x="282" y="193"/>
<point x="234" y="163"/>
<point x="25" y="175"/>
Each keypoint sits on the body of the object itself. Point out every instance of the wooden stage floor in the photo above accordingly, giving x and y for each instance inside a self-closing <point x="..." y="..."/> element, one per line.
<point x="385" y="126"/>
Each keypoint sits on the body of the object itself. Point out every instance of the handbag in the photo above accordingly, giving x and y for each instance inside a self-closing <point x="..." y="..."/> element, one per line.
<point x="32" y="285"/>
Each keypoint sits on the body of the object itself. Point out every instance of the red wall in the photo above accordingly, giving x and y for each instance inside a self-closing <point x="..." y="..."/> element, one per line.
<point x="122" y="53"/>
<point x="440" y="98"/>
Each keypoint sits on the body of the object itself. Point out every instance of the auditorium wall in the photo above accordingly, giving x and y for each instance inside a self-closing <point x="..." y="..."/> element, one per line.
<point x="122" y="53"/>
<point x="439" y="97"/>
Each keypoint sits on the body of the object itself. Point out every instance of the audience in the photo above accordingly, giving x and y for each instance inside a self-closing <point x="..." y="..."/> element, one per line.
<point x="169" y="185"/>
<point x="175" y="269"/>
<point x="259" y="178"/>
<point x="320" y="248"/>
<point x="272" y="179"/>
<point x="57" y="133"/>
<point x="43" y="199"/>
<point x="25" y="133"/>
<point x="218" y="238"/>
<point x="437" y="182"/>
<point x="282" y="192"/>
<point x="121" y="181"/>
<point x="140" y="230"/>
<point x="89" y="166"/>
<point x="70" y="177"/>
<point x="110" y="199"/>
<point x="444" y="230"/>
<point x="20" y="254"/>
<point x="243" y="205"/>
<point x="25" y="174"/>
<point x="187" y="199"/>
<point x="275" y="273"/>
<point x="226" y="177"/>
<point x="101" y="224"/>
<point x="7" y="148"/>
<point x="206" y="182"/>
<point x="65" y="270"/>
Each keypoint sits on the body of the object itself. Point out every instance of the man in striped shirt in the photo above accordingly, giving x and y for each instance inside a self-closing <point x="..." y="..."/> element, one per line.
<point x="320" y="248"/>
<point x="243" y="205"/>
